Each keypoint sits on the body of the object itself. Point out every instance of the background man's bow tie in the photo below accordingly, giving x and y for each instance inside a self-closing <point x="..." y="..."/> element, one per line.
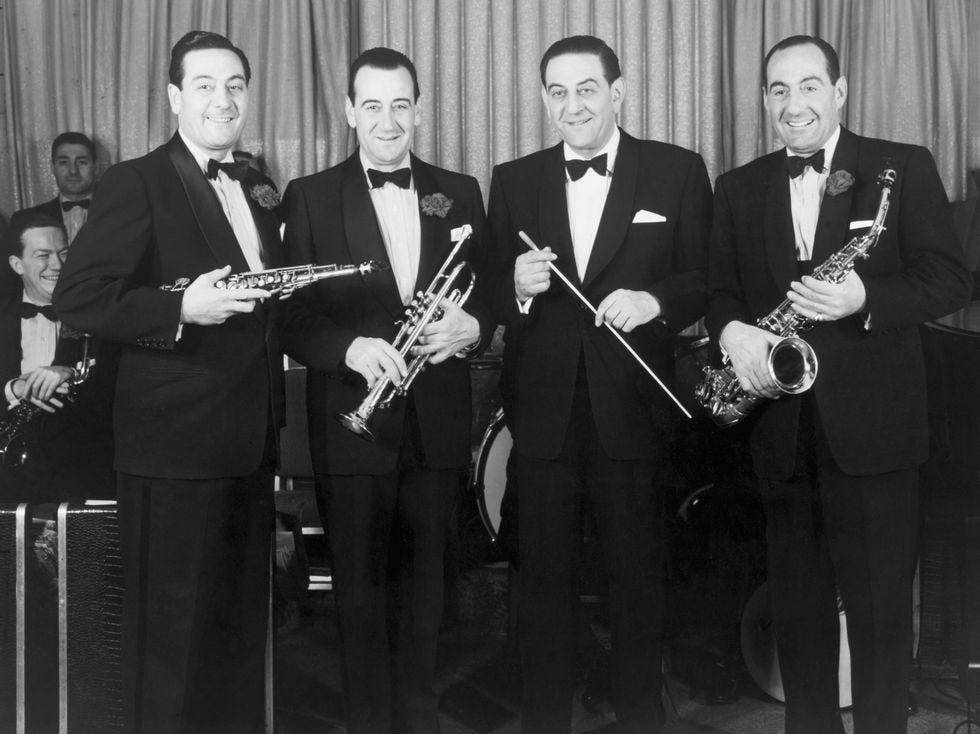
<point x="69" y="205"/>
<point x="576" y="169"/>
<point x="234" y="169"/>
<point x="30" y="310"/>
<point x="797" y="163"/>
<point x="402" y="178"/>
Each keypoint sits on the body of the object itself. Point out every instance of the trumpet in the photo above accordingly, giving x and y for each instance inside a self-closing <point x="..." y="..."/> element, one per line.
<point x="283" y="281"/>
<point x="426" y="308"/>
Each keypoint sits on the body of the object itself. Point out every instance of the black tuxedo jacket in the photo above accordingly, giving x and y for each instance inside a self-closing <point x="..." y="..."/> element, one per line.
<point x="197" y="407"/>
<point x="666" y="258"/>
<point x="330" y="219"/>
<point x="870" y="389"/>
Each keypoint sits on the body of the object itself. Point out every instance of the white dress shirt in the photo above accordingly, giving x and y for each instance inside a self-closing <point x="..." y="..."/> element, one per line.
<point x="398" y="219"/>
<point x="586" y="199"/>
<point x="235" y="205"/>
<point x="38" y="340"/>
<point x="74" y="218"/>
<point x="806" y="193"/>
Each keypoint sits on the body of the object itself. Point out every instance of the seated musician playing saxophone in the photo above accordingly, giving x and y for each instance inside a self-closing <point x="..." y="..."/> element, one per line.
<point x="387" y="503"/>
<point x="837" y="464"/>
<point x="50" y="450"/>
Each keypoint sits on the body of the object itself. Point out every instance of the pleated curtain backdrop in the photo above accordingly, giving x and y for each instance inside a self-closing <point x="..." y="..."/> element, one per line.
<point x="692" y="69"/>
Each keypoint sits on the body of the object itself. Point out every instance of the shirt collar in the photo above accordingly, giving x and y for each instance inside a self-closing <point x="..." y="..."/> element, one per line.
<point x="405" y="162"/>
<point x="829" y="148"/>
<point x="201" y="156"/>
<point x="610" y="149"/>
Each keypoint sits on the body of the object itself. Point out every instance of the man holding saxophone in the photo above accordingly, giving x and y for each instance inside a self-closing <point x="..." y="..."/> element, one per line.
<point x="386" y="496"/>
<point x="837" y="464"/>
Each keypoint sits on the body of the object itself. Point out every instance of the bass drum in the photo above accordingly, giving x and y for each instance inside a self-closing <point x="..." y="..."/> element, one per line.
<point x="762" y="658"/>
<point x="490" y="474"/>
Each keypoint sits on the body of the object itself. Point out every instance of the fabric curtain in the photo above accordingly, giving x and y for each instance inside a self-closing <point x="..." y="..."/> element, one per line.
<point x="692" y="69"/>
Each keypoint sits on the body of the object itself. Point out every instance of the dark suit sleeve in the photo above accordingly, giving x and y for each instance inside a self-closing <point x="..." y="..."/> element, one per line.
<point x="682" y="294"/>
<point x="308" y="335"/>
<point x="503" y="252"/>
<point x="933" y="280"/>
<point x="479" y="304"/>
<point x="99" y="288"/>
<point x="726" y="302"/>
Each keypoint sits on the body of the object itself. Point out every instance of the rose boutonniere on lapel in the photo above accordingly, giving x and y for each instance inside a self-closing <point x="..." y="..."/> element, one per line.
<point x="839" y="181"/>
<point x="266" y="196"/>
<point x="436" y="205"/>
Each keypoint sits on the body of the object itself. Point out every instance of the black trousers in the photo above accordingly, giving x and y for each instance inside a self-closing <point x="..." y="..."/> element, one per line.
<point x="831" y="533"/>
<point x="196" y="561"/>
<point x="629" y="524"/>
<point x="388" y="538"/>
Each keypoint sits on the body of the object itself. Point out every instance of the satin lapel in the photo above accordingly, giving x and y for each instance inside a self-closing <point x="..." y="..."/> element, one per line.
<point x="553" y="214"/>
<point x="207" y="209"/>
<point x="780" y="241"/>
<point x="617" y="214"/>
<point x="364" y="236"/>
<point x="434" y="242"/>
<point x="835" y="210"/>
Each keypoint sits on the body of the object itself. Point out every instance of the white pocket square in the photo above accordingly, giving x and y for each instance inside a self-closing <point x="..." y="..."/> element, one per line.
<point x="860" y="224"/>
<point x="643" y="217"/>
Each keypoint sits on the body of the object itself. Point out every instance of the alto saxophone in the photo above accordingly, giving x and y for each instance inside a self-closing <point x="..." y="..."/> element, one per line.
<point x="426" y="308"/>
<point x="283" y="281"/>
<point x="18" y="426"/>
<point x="792" y="361"/>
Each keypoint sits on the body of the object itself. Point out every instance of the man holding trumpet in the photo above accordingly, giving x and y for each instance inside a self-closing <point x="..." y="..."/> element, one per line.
<point x="386" y="497"/>
<point x="626" y="221"/>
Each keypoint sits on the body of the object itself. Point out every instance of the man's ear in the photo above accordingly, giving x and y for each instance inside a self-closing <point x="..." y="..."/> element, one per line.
<point x="349" y="111"/>
<point x="840" y="92"/>
<point x="16" y="264"/>
<point x="173" y="94"/>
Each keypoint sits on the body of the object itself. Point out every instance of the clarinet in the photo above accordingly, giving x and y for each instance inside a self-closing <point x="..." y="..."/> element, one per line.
<point x="792" y="361"/>
<point x="283" y="281"/>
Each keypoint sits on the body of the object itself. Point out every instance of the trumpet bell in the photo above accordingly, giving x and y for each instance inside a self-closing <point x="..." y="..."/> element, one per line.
<point x="355" y="424"/>
<point x="793" y="365"/>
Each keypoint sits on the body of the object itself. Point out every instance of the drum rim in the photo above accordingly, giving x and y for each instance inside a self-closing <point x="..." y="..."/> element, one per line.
<point x="497" y="425"/>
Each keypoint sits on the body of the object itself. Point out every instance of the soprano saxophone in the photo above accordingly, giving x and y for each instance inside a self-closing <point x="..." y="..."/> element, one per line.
<point x="792" y="361"/>
<point x="18" y="426"/>
<point x="283" y="281"/>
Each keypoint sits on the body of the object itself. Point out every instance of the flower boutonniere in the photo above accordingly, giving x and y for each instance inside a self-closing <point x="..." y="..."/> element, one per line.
<point x="838" y="182"/>
<point x="266" y="196"/>
<point x="436" y="205"/>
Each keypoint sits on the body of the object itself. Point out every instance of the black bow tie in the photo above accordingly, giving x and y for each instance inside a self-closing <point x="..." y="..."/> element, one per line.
<point x="30" y="310"/>
<point x="576" y="169"/>
<point x="796" y="163"/>
<point x="234" y="169"/>
<point x="402" y="178"/>
<point x="69" y="205"/>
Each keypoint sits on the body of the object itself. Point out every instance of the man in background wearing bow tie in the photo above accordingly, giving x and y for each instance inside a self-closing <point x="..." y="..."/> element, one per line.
<point x="387" y="504"/>
<point x="73" y="167"/>
<point x="838" y="465"/>
<point x="199" y="398"/>
<point x="627" y="222"/>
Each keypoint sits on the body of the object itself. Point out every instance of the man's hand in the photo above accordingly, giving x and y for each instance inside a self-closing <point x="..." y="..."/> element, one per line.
<point x="441" y="339"/>
<point x="40" y="386"/>
<point x="373" y="358"/>
<point x="625" y="310"/>
<point x="823" y="301"/>
<point x="206" y="305"/>
<point x="748" y="348"/>
<point x="531" y="273"/>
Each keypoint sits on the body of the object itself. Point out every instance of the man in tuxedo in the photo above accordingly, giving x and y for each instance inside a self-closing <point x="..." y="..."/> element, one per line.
<point x="69" y="447"/>
<point x="73" y="168"/>
<point x="387" y="503"/>
<point x="627" y="222"/>
<point x="199" y="397"/>
<point x="837" y="464"/>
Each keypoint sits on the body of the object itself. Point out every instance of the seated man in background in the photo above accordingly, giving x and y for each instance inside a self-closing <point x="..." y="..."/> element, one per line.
<point x="68" y="443"/>
<point x="73" y="168"/>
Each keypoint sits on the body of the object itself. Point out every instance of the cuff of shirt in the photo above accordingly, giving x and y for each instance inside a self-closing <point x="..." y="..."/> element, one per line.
<point x="8" y="391"/>
<point x="469" y="349"/>
<point x="524" y="308"/>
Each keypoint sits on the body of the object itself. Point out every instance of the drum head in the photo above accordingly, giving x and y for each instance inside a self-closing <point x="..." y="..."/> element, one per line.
<point x="490" y="477"/>
<point x="762" y="658"/>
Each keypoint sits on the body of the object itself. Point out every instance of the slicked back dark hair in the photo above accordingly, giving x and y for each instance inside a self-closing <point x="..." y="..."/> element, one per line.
<point x="198" y="41"/>
<point x="23" y="221"/>
<point x="73" y="138"/>
<point x="382" y="58"/>
<point x="829" y="54"/>
<point x="584" y="45"/>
